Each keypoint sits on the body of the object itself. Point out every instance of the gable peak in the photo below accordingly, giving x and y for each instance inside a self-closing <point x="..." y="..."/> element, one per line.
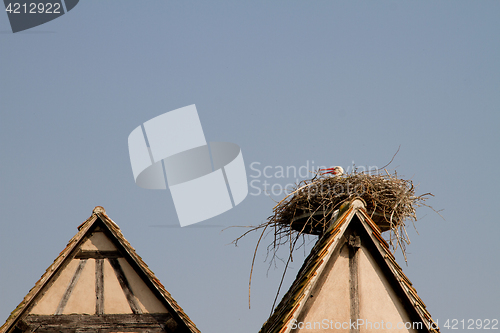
<point x="99" y="209"/>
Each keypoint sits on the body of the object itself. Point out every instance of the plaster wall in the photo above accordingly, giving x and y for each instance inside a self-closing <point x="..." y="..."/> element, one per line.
<point x="329" y="304"/>
<point x="379" y="305"/>
<point x="145" y="297"/>
<point x="98" y="241"/>
<point x="82" y="299"/>
<point x="47" y="305"/>
<point x="114" y="298"/>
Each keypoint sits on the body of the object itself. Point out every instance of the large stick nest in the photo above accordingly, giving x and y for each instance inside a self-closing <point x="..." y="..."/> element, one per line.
<point x="313" y="204"/>
<point x="308" y="209"/>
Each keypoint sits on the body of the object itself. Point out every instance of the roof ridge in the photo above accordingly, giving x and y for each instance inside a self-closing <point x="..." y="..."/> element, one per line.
<point x="97" y="213"/>
<point x="313" y="265"/>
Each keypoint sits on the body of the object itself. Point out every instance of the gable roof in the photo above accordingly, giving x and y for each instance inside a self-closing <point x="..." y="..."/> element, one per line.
<point x="292" y="307"/>
<point x="97" y="222"/>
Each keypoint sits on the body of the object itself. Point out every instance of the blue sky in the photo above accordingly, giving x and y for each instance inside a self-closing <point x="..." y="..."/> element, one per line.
<point x="293" y="84"/>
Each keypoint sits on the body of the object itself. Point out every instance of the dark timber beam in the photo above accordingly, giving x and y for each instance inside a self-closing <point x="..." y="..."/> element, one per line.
<point x="354" y="245"/>
<point x="99" y="286"/>
<point x="97" y="254"/>
<point x="156" y="322"/>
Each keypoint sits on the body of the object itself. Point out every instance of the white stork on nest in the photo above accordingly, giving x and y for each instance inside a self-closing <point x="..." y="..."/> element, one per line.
<point x="335" y="171"/>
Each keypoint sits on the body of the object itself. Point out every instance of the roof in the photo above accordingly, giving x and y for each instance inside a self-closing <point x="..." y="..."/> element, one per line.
<point x="293" y="302"/>
<point x="99" y="218"/>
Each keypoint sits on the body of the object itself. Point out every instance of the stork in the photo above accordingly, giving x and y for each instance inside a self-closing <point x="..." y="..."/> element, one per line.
<point x="335" y="171"/>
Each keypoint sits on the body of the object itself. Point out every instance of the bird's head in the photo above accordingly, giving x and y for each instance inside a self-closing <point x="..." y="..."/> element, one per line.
<point x="338" y="171"/>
